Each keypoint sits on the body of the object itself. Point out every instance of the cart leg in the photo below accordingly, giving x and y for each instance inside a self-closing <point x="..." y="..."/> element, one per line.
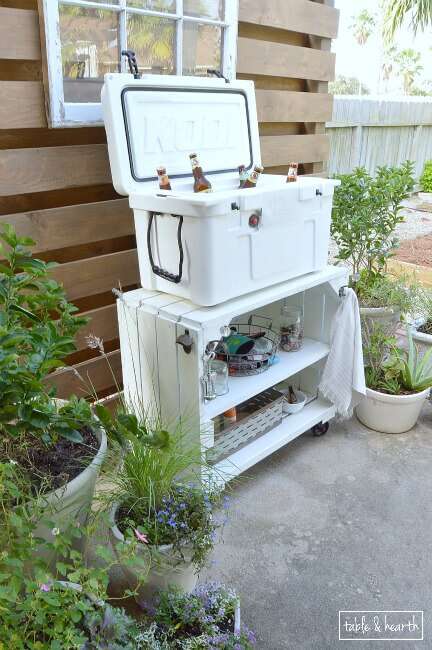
<point x="320" y="429"/>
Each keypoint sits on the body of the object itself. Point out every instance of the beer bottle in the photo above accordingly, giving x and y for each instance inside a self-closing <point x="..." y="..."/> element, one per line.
<point x="292" y="173"/>
<point x="164" y="182"/>
<point x="252" y="179"/>
<point x="201" y="183"/>
<point x="242" y="175"/>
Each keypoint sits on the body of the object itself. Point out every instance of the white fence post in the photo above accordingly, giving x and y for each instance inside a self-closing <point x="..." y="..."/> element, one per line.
<point x="372" y="131"/>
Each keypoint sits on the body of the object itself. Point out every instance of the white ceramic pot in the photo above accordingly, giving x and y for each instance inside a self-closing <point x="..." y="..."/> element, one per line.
<point x="72" y="502"/>
<point x="287" y="407"/>
<point x="390" y="413"/>
<point x="170" y="570"/>
<point x="381" y="314"/>
<point x="425" y="196"/>
<point x="423" y="341"/>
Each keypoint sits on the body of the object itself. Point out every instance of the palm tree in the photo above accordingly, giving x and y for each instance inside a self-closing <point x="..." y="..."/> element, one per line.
<point x="408" y="62"/>
<point x="363" y="26"/>
<point x="397" y="11"/>
<point x="387" y="64"/>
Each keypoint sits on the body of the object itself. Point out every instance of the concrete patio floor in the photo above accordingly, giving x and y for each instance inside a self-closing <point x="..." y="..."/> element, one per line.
<point x="338" y="522"/>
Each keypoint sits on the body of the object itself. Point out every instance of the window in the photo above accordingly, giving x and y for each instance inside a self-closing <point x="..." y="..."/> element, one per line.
<point x="84" y="40"/>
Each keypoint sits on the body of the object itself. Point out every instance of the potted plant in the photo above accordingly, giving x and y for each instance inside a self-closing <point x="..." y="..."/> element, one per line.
<point x="366" y="211"/>
<point x="426" y="182"/>
<point x="398" y="381"/>
<point x="160" y="504"/>
<point x="208" y="617"/>
<point x="45" y="609"/>
<point x="59" y="444"/>
<point x="421" y="321"/>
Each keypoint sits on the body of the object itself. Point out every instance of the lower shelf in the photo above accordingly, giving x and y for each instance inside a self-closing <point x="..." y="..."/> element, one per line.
<point x="289" y="429"/>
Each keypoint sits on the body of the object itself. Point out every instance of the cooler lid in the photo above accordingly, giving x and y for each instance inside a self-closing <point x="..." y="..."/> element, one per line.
<point x="159" y="120"/>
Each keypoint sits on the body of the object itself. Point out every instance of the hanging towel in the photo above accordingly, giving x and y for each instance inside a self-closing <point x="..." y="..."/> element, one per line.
<point x="343" y="380"/>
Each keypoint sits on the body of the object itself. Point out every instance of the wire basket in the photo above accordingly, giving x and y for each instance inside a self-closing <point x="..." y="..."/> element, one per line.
<point x="256" y="417"/>
<point x="256" y="361"/>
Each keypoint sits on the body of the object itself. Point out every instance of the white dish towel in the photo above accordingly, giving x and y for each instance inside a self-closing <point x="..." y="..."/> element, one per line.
<point x="343" y="380"/>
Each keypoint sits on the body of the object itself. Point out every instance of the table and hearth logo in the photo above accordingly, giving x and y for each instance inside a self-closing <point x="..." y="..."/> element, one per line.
<point x="380" y="625"/>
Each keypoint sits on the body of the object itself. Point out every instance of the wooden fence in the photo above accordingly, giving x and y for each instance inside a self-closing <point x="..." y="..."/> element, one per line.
<point x="370" y="132"/>
<point x="55" y="184"/>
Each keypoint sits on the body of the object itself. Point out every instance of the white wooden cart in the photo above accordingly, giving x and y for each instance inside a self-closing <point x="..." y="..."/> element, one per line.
<point x="163" y="341"/>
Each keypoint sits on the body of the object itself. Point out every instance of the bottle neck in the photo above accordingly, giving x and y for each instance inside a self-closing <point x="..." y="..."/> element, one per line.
<point x="197" y="172"/>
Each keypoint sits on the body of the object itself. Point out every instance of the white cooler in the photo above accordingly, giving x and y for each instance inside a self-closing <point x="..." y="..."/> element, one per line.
<point x="205" y="247"/>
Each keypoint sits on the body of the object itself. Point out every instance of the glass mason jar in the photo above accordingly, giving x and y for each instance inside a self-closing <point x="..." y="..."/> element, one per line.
<point x="291" y="329"/>
<point x="219" y="375"/>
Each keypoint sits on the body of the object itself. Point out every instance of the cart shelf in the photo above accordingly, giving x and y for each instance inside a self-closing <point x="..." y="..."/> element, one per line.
<point x="319" y="410"/>
<point x="243" y="388"/>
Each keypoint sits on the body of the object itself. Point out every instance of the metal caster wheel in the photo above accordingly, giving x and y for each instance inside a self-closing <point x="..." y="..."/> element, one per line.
<point x="320" y="429"/>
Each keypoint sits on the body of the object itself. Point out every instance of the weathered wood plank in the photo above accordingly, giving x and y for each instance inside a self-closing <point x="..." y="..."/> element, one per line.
<point x="284" y="106"/>
<point x="22" y="105"/>
<point x="278" y="59"/>
<point x="49" y="168"/>
<point x="295" y="15"/>
<point x="103" y="324"/>
<point x="98" y="274"/>
<point x="94" y="371"/>
<point x="73" y="225"/>
<point x="279" y="150"/>
<point x="19" y="34"/>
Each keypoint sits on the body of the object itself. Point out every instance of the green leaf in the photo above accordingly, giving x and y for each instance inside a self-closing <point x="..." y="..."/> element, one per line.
<point x="23" y="311"/>
<point x="71" y="434"/>
<point x="104" y="415"/>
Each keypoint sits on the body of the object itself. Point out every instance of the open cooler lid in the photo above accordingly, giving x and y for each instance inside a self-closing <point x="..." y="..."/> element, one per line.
<point x="159" y="120"/>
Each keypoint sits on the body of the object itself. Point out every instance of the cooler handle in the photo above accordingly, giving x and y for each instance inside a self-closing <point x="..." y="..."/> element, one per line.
<point x="166" y="275"/>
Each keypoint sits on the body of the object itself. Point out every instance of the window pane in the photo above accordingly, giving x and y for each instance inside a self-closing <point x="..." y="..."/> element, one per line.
<point x="155" y="5"/>
<point x="152" y="39"/>
<point x="201" y="48"/>
<point x="204" y="8"/>
<point x="89" y="50"/>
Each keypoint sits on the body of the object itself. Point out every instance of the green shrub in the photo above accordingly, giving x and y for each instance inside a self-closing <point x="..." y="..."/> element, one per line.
<point x="366" y="211"/>
<point x="426" y="177"/>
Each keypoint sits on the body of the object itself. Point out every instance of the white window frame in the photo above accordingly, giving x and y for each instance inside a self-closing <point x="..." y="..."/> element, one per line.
<point x="62" y="114"/>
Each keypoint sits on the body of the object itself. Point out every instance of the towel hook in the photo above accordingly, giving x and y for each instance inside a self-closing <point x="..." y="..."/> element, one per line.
<point x="342" y="292"/>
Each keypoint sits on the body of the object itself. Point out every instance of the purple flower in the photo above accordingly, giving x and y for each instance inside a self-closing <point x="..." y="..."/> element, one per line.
<point x="45" y="587"/>
<point x="250" y="636"/>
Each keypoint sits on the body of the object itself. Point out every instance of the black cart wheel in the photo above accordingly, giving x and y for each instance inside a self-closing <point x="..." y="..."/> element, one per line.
<point x="320" y="429"/>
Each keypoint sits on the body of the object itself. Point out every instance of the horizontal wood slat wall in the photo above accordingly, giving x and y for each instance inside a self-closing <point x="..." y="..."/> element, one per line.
<point x="284" y="47"/>
<point x="55" y="185"/>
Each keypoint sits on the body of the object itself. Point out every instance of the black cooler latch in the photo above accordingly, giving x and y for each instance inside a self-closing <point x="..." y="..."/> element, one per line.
<point x="218" y="74"/>
<point x="132" y="62"/>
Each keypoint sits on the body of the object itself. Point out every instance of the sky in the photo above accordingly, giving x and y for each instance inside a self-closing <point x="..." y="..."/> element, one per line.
<point x="353" y="60"/>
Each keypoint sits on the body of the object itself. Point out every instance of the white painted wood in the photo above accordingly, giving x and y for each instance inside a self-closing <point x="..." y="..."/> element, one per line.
<point x="225" y="312"/>
<point x="243" y="388"/>
<point x="66" y="114"/>
<point x="160" y="318"/>
<point x="291" y="427"/>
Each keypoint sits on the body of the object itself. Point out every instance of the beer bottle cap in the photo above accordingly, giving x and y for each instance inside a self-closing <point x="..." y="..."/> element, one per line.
<point x="192" y="155"/>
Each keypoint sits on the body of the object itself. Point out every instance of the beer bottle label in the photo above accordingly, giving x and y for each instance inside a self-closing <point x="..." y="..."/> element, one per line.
<point x="195" y="163"/>
<point x="163" y="180"/>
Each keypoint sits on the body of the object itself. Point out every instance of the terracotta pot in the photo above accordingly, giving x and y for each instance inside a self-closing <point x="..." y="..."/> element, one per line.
<point x="172" y="570"/>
